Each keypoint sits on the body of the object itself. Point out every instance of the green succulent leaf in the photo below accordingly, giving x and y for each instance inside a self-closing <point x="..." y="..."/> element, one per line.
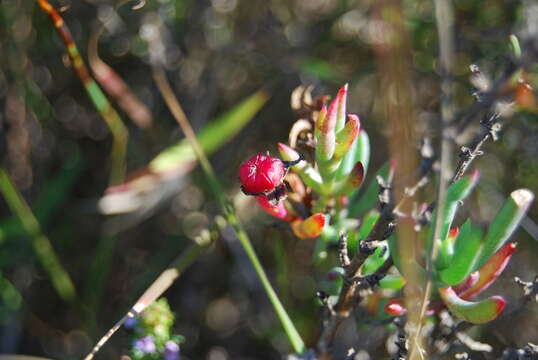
<point x="474" y="312"/>
<point x="466" y="253"/>
<point x="306" y="172"/>
<point x="358" y="151"/>
<point x="491" y="270"/>
<point x="368" y="199"/>
<point x="392" y="282"/>
<point x="456" y="193"/>
<point x="505" y="223"/>
<point x="374" y="261"/>
<point x="367" y="224"/>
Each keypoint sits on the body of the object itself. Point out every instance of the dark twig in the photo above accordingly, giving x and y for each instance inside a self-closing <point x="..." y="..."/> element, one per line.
<point x="401" y="340"/>
<point x="342" y="250"/>
<point x="468" y="154"/>
<point x="530" y="289"/>
<point x="527" y="352"/>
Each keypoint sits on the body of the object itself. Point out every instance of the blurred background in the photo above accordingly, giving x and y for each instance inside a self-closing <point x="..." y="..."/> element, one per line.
<point x="56" y="149"/>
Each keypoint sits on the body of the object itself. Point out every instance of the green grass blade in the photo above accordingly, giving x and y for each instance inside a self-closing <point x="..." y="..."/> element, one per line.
<point x="228" y="210"/>
<point x="48" y="201"/>
<point x="214" y="135"/>
<point x="40" y="243"/>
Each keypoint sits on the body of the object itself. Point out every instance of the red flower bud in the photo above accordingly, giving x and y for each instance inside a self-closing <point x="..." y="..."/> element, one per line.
<point x="261" y="173"/>
<point x="395" y="308"/>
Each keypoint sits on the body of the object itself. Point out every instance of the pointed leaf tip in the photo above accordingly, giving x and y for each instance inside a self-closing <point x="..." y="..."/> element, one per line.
<point x="491" y="270"/>
<point x="287" y="153"/>
<point x="505" y="223"/>
<point x="522" y="197"/>
<point x="346" y="137"/>
<point x="453" y="233"/>
<point x="475" y="175"/>
<point x="474" y="312"/>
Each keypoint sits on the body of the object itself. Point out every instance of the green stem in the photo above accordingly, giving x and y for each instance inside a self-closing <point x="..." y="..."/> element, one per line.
<point x="41" y="244"/>
<point x="227" y="208"/>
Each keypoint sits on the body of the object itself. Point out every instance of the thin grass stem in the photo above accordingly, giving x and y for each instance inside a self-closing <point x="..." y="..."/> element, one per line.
<point x="227" y="208"/>
<point x="42" y="247"/>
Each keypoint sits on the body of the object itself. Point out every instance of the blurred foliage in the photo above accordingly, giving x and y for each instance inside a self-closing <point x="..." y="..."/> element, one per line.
<point x="217" y="53"/>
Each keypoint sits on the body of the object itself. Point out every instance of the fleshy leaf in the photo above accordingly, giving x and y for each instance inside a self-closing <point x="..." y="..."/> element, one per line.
<point x="307" y="173"/>
<point x="491" y="270"/>
<point x="359" y="151"/>
<point x="326" y="127"/>
<point x="352" y="182"/>
<point x="466" y="253"/>
<point x="346" y="137"/>
<point x="341" y="111"/>
<point x="279" y="210"/>
<point x="505" y="223"/>
<point x="374" y="261"/>
<point x="474" y="312"/>
<point x="368" y="199"/>
<point x="309" y="228"/>
<point x="456" y="192"/>
<point x="468" y="283"/>
<point x="367" y="224"/>
<point x="392" y="282"/>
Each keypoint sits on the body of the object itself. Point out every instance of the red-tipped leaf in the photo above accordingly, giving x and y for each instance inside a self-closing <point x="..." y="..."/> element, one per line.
<point x="491" y="270"/>
<point x="474" y="312"/>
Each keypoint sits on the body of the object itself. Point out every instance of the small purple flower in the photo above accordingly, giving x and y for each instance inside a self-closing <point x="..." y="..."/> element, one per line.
<point x="130" y="322"/>
<point x="171" y="351"/>
<point x="145" y="345"/>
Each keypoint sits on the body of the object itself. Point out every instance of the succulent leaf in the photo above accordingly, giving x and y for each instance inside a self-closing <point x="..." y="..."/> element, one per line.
<point x="490" y="271"/>
<point x="474" y="312"/>
<point x="359" y="151"/>
<point x="346" y="137"/>
<point x="367" y="224"/>
<point x="456" y="192"/>
<point x="307" y="173"/>
<point x="467" y="249"/>
<point x="374" y="261"/>
<point x="352" y="181"/>
<point x="359" y="204"/>
<point x="505" y="223"/>
<point x="392" y="282"/>
<point x="309" y="228"/>
<point x="326" y="127"/>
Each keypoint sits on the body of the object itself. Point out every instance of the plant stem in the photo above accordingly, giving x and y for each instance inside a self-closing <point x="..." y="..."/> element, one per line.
<point x="110" y="116"/>
<point x="444" y="16"/>
<point x="227" y="208"/>
<point x="154" y="291"/>
<point x="41" y="244"/>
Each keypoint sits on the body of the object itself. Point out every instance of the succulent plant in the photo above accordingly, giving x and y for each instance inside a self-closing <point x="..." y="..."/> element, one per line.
<point x="467" y="261"/>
